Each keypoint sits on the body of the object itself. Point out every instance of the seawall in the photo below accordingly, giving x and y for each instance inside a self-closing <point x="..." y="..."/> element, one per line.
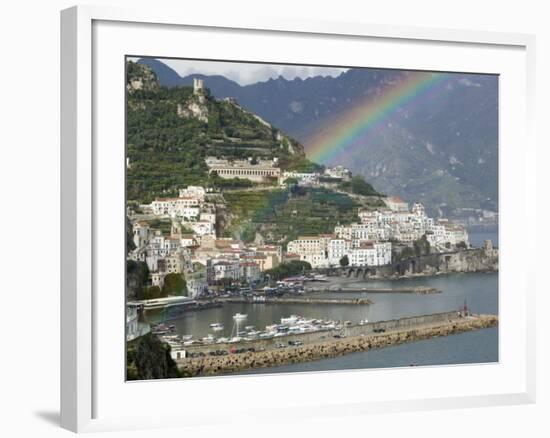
<point x="297" y="300"/>
<point x="358" y="338"/>
<point x="465" y="260"/>
<point x="420" y="290"/>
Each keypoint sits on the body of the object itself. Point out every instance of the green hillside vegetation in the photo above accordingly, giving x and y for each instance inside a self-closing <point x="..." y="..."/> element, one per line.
<point x="174" y="285"/>
<point x="282" y="215"/>
<point x="167" y="151"/>
<point x="359" y="186"/>
<point x="289" y="269"/>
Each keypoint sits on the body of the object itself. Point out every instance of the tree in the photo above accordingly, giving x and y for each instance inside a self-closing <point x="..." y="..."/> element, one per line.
<point x="149" y="358"/>
<point x="294" y="267"/>
<point x="462" y="245"/>
<point x="406" y="253"/>
<point x="174" y="284"/>
<point x="130" y="245"/>
<point x="137" y="274"/>
<point x="360" y="187"/>
<point x="344" y="261"/>
<point x="422" y="246"/>
<point x="149" y="293"/>
<point x="290" y="181"/>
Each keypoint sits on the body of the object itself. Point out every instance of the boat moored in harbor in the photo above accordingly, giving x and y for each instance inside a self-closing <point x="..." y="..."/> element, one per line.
<point x="216" y="326"/>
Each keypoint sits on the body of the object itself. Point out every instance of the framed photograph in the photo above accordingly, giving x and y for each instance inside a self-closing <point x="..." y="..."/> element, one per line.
<point x="319" y="217"/>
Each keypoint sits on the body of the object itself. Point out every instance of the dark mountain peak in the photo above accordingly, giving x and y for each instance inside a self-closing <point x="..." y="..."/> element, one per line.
<point x="167" y="76"/>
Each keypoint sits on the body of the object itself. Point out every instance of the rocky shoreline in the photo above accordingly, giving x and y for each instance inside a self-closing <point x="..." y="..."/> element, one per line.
<point x="216" y="365"/>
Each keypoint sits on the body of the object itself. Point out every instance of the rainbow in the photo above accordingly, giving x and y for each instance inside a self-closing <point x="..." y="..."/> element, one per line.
<point x="342" y="135"/>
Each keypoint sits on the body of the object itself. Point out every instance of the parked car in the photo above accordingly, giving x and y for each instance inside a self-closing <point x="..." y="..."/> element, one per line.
<point x="295" y="343"/>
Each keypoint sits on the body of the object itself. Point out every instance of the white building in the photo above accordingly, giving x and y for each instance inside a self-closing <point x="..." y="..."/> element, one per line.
<point x="171" y="264"/>
<point x="303" y="178"/>
<point x="141" y="231"/>
<point x="338" y="248"/>
<point x="203" y="228"/>
<point x="134" y="327"/>
<point x="188" y="241"/>
<point x="157" y="279"/>
<point x="395" y="203"/>
<point x="371" y="254"/>
<point x="311" y="249"/>
<point x="261" y="171"/>
<point x="174" y="207"/>
<point x="226" y="269"/>
<point x="196" y="279"/>
<point x="338" y="172"/>
<point x="249" y="272"/>
<point x="193" y="192"/>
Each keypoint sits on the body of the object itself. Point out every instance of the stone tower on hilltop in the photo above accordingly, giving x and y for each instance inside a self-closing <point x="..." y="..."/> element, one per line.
<point x="198" y="86"/>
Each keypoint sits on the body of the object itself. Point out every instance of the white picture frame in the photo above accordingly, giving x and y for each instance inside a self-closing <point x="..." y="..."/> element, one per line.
<point x="86" y="178"/>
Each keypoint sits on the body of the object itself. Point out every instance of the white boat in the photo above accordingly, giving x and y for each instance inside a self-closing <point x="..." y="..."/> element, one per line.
<point x="249" y="327"/>
<point x="216" y="326"/>
<point x="290" y="320"/>
<point x="190" y="342"/>
<point x="186" y="337"/>
<point x="254" y="333"/>
<point x="363" y="322"/>
<point x="240" y="316"/>
<point x="296" y="329"/>
<point x="208" y="339"/>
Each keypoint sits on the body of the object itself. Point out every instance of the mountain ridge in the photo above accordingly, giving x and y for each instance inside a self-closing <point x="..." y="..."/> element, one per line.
<point x="443" y="153"/>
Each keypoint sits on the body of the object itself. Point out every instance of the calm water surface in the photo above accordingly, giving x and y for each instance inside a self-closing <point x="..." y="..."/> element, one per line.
<point x="477" y="237"/>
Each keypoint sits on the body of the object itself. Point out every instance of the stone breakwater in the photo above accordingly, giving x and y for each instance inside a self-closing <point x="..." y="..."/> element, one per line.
<point x="333" y="347"/>
<point x="306" y="300"/>
<point x="421" y="290"/>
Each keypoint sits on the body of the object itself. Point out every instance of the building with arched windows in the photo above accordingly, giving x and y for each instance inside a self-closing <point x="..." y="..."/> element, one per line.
<point x="256" y="171"/>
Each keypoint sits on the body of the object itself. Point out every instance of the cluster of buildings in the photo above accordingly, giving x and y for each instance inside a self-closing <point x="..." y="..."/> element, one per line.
<point x="194" y="249"/>
<point x="262" y="171"/>
<point x="369" y="241"/>
<point x="330" y="176"/>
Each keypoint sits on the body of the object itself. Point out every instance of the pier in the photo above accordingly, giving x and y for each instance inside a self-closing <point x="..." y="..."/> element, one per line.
<point x="295" y="300"/>
<point x="422" y="290"/>
<point x="327" y="344"/>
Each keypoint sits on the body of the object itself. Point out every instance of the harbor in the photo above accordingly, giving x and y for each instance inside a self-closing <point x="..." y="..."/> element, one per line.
<point x="207" y="333"/>
<point x="305" y="348"/>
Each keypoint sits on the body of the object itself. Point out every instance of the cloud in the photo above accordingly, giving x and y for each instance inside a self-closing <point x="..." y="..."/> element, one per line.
<point x="468" y="83"/>
<point x="249" y="73"/>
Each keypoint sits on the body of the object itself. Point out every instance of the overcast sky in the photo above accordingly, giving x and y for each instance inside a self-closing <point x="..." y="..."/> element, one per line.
<point x="244" y="73"/>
